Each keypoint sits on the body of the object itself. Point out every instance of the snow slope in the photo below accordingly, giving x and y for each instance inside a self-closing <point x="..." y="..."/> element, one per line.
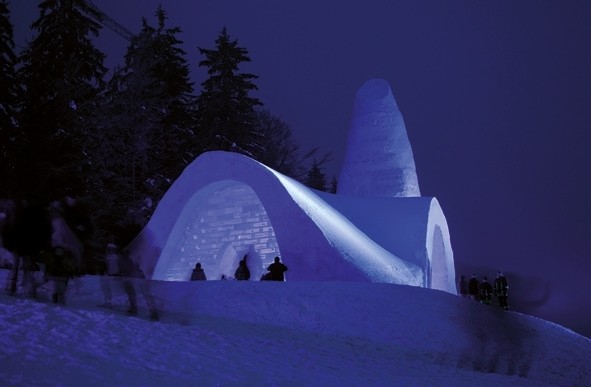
<point x="292" y="333"/>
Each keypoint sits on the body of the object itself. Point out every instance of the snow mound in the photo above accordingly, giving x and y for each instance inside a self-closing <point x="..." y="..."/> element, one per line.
<point x="222" y="332"/>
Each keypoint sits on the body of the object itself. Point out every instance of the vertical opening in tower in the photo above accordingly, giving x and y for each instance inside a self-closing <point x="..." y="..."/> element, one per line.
<point x="439" y="272"/>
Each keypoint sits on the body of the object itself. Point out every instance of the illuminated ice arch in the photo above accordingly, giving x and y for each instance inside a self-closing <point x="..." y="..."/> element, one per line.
<point x="224" y="221"/>
<point x="316" y="242"/>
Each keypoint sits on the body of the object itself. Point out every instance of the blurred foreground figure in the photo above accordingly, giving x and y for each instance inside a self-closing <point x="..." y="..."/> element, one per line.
<point x="59" y="269"/>
<point x="109" y="267"/>
<point x="27" y="239"/>
<point x="129" y="272"/>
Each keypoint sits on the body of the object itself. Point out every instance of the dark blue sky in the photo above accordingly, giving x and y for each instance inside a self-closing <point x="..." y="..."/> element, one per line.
<point x="496" y="96"/>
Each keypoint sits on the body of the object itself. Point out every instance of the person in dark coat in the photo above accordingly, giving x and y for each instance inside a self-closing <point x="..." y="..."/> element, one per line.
<point x="486" y="291"/>
<point x="276" y="270"/>
<point x="502" y="290"/>
<point x="242" y="273"/>
<point x="474" y="288"/>
<point x="77" y="215"/>
<point x="109" y="266"/>
<point x="463" y="286"/>
<point x="198" y="273"/>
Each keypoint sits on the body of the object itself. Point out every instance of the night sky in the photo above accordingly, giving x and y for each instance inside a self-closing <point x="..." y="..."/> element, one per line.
<point x="496" y="96"/>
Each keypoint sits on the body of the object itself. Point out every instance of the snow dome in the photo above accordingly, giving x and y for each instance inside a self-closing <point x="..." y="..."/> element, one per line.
<point x="225" y="206"/>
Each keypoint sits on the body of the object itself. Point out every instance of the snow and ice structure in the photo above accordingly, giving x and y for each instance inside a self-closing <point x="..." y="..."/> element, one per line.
<point x="226" y="205"/>
<point x="378" y="228"/>
<point x="379" y="159"/>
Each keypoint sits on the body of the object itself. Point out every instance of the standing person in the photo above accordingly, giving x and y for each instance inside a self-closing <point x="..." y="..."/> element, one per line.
<point x="30" y="236"/>
<point x="131" y="272"/>
<point x="60" y="268"/>
<point x="463" y="285"/>
<point x="276" y="270"/>
<point x="502" y="290"/>
<point x="198" y="273"/>
<point x="473" y="288"/>
<point x="112" y="259"/>
<point x="127" y="268"/>
<point x="486" y="291"/>
<point x="76" y="213"/>
<point x="145" y="286"/>
<point x="242" y="273"/>
<point x="110" y="268"/>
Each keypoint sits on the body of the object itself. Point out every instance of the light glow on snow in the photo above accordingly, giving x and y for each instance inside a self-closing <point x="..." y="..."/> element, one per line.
<point x="215" y="333"/>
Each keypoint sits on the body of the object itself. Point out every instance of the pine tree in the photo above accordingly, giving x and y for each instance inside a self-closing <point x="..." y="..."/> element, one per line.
<point x="175" y="148"/>
<point x="279" y="149"/>
<point x="9" y="94"/>
<point x="316" y="178"/>
<point x="61" y="72"/>
<point x="226" y="111"/>
<point x="333" y="185"/>
<point x="143" y="139"/>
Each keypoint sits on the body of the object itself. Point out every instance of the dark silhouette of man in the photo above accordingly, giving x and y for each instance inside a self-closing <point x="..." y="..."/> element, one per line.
<point x="473" y="288"/>
<point x="276" y="270"/>
<point x="242" y="273"/>
<point x="463" y="285"/>
<point x="486" y="291"/>
<point x="502" y="290"/>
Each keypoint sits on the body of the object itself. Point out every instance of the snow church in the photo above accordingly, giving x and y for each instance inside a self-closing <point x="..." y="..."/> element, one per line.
<point x="376" y="228"/>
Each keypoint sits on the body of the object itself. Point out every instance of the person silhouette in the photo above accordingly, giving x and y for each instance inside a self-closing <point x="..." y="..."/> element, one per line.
<point x="242" y="273"/>
<point x="198" y="273"/>
<point x="474" y="288"/>
<point x="502" y="290"/>
<point x="486" y="291"/>
<point x="276" y="270"/>
<point x="463" y="285"/>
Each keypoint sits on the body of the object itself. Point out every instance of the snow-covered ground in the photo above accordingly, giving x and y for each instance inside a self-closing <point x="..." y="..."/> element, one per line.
<point x="292" y="333"/>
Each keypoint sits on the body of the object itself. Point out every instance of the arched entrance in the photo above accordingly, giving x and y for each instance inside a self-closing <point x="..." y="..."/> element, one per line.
<point x="226" y="221"/>
<point x="439" y="271"/>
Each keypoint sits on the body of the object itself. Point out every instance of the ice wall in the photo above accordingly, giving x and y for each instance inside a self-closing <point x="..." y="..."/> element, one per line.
<point x="379" y="159"/>
<point x="414" y="229"/>
<point x="229" y="223"/>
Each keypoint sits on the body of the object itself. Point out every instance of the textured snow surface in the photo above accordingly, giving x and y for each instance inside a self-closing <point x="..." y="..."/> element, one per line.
<point x="378" y="159"/>
<point x="292" y="333"/>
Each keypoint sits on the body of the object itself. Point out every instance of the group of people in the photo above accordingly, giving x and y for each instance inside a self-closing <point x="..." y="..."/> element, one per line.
<point x="54" y="236"/>
<point x="119" y="269"/>
<point x="483" y="291"/>
<point x="58" y="239"/>
<point x="276" y="271"/>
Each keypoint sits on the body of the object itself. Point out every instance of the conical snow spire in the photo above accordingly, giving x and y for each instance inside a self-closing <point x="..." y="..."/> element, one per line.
<point x="379" y="159"/>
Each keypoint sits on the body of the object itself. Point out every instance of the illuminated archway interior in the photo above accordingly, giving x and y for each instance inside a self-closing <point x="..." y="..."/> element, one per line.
<point x="227" y="223"/>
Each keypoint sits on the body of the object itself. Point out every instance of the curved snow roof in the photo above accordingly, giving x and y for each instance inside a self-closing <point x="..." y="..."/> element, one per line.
<point x="321" y="237"/>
